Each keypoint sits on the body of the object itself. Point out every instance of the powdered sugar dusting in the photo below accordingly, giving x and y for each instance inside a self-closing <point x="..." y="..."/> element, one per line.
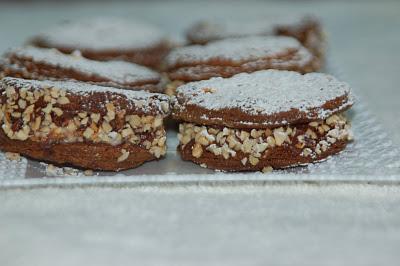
<point x="239" y="50"/>
<point x="103" y="33"/>
<point x="149" y="101"/>
<point x="116" y="71"/>
<point x="267" y="92"/>
<point x="221" y="29"/>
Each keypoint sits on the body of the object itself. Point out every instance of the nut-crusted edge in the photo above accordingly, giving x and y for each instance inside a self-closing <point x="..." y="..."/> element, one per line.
<point x="230" y="149"/>
<point x="53" y="124"/>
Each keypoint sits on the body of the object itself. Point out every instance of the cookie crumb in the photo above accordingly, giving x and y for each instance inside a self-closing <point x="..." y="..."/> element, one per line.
<point x="50" y="169"/>
<point x="13" y="156"/>
<point x="124" y="155"/>
<point x="68" y="171"/>
<point x="88" y="172"/>
<point x="267" y="169"/>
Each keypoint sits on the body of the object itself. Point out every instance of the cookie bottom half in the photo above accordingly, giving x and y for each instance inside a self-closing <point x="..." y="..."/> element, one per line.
<point x="87" y="155"/>
<point x="229" y="149"/>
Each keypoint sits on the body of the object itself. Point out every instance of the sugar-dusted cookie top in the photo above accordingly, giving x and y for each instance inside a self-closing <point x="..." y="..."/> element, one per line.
<point x="43" y="63"/>
<point x="209" y="30"/>
<point x="262" y="99"/>
<point x="107" y="38"/>
<point x="228" y="57"/>
<point x="100" y="34"/>
<point x="237" y="51"/>
<point x="92" y="98"/>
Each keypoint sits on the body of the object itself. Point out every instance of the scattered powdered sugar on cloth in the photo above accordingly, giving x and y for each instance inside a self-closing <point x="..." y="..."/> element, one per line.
<point x="267" y="92"/>
<point x="239" y="50"/>
<point x="117" y="71"/>
<point x="103" y="34"/>
<point x="149" y="101"/>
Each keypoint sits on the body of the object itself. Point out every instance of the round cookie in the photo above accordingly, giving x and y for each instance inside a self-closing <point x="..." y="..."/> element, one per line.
<point x="265" y="119"/>
<point x="306" y="29"/>
<point x="43" y="64"/>
<point x="107" y="39"/>
<point x="228" y="57"/>
<point x="80" y="124"/>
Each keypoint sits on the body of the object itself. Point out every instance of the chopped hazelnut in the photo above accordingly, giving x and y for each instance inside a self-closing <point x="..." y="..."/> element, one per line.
<point x="267" y="169"/>
<point x="21" y="103"/>
<point x="197" y="150"/>
<point x="124" y="156"/>
<point x="57" y="111"/>
<point x="279" y="136"/>
<point x="165" y="107"/>
<point x="106" y="127"/>
<point x="63" y="100"/>
<point x="253" y="160"/>
<point x="88" y="133"/>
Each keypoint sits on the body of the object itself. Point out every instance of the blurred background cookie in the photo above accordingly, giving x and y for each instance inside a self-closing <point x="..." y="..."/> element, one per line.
<point x="225" y="58"/>
<point x="80" y="124"/>
<point x="266" y="119"/>
<point x="107" y="39"/>
<point x="305" y="28"/>
<point x="43" y="63"/>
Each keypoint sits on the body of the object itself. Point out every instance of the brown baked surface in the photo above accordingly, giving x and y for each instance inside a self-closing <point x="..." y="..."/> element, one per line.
<point x="228" y="57"/>
<point x="306" y="29"/>
<point x="277" y="158"/>
<point x="51" y="64"/>
<point x="96" y="156"/>
<point x="231" y="103"/>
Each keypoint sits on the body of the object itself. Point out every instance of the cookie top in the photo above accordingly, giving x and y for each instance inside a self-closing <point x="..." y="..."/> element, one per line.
<point x="43" y="63"/>
<point x="92" y="97"/>
<point x="268" y="98"/>
<point x="101" y="34"/>
<point x="238" y="55"/>
<point x="205" y="31"/>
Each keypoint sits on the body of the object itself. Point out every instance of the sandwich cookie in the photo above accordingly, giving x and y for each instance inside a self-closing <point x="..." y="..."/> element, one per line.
<point x="263" y="120"/>
<point x="80" y="124"/>
<point x="229" y="57"/>
<point x="107" y="39"/>
<point x="44" y="64"/>
<point x="306" y="29"/>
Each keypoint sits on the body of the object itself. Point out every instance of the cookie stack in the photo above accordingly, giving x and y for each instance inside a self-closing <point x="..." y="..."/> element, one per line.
<point x="245" y="95"/>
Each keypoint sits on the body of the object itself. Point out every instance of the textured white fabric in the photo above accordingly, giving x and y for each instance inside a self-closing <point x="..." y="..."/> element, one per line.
<point x="239" y="225"/>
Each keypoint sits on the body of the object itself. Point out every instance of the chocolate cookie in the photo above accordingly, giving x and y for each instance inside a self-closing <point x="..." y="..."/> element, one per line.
<point x="107" y="39"/>
<point x="44" y="64"/>
<point x="228" y="57"/>
<point x="84" y="125"/>
<point x="265" y="119"/>
<point x="306" y="29"/>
